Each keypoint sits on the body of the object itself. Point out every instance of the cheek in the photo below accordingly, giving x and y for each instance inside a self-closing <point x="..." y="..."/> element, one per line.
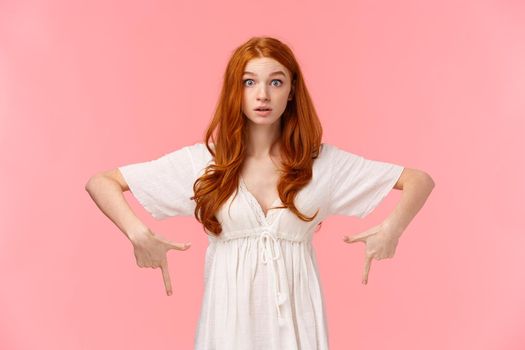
<point x="248" y="95"/>
<point x="285" y="93"/>
<point x="283" y="98"/>
<point x="245" y="99"/>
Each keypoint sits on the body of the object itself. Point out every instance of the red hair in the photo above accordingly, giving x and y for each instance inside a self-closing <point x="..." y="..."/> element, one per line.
<point x="300" y="138"/>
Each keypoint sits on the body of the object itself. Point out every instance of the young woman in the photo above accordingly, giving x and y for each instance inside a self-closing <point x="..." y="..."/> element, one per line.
<point x="260" y="183"/>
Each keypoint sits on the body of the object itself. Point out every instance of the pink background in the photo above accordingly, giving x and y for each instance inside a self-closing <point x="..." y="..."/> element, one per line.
<point x="86" y="86"/>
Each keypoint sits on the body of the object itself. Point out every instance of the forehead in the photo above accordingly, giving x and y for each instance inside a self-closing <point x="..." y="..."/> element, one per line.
<point x="264" y="66"/>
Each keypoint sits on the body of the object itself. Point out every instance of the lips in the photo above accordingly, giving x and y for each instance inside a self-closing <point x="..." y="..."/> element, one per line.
<point x="262" y="108"/>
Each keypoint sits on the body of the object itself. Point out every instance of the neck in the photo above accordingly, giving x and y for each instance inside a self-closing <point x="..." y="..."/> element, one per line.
<point x="261" y="139"/>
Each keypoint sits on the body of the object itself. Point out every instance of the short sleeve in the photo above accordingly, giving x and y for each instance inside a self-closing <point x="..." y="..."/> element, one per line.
<point x="358" y="185"/>
<point x="163" y="186"/>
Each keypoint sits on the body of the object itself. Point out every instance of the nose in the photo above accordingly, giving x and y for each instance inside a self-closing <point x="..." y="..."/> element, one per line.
<point x="262" y="94"/>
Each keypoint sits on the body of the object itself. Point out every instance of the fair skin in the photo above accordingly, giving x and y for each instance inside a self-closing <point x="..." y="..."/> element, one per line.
<point x="262" y="161"/>
<point x="381" y="240"/>
<point x="265" y="82"/>
<point x="262" y="87"/>
<point x="150" y="249"/>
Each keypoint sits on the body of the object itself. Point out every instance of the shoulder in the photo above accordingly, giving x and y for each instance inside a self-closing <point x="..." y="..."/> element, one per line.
<point x="335" y="159"/>
<point x="195" y="154"/>
<point x="197" y="151"/>
<point x="332" y="152"/>
<point x="324" y="157"/>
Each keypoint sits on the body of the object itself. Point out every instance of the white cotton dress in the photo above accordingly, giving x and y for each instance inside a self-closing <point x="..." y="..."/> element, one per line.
<point x="261" y="284"/>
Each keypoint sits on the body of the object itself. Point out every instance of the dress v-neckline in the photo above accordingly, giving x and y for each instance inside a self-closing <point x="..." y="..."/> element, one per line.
<point x="256" y="202"/>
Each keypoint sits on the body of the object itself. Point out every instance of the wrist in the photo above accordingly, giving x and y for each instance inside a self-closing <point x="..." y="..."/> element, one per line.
<point x="136" y="233"/>
<point x="392" y="228"/>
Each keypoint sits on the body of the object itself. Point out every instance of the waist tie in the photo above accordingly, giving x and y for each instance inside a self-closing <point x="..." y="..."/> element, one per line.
<point x="267" y="249"/>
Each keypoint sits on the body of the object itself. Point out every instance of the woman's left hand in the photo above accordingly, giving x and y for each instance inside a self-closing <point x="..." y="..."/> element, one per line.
<point x="381" y="242"/>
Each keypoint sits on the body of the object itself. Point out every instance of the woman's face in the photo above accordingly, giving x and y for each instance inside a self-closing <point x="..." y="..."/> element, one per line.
<point x="266" y="83"/>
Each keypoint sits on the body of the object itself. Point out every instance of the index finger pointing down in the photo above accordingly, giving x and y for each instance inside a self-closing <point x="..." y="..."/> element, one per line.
<point x="166" y="276"/>
<point x="368" y="262"/>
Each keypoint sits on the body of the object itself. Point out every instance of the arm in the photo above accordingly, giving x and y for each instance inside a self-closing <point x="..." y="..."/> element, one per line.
<point x="150" y="249"/>
<point x="416" y="186"/>
<point x="381" y="240"/>
<point x="106" y="189"/>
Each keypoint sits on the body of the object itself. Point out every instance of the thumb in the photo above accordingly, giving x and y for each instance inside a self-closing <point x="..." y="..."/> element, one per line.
<point x="178" y="246"/>
<point x="173" y="245"/>
<point x="359" y="237"/>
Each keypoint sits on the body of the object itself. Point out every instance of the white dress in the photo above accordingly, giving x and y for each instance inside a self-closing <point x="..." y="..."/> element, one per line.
<point x="261" y="282"/>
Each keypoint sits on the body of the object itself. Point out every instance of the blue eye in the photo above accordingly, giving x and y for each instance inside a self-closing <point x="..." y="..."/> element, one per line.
<point x="245" y="80"/>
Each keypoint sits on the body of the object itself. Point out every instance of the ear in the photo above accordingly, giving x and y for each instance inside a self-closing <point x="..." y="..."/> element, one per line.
<point x="292" y="91"/>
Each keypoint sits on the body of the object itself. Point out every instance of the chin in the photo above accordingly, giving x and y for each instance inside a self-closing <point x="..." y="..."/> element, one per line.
<point x="263" y="120"/>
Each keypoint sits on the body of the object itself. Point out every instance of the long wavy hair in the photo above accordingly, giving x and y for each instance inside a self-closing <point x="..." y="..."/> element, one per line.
<point x="300" y="137"/>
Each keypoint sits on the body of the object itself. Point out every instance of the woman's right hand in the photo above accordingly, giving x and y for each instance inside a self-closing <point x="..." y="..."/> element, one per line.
<point x="150" y="251"/>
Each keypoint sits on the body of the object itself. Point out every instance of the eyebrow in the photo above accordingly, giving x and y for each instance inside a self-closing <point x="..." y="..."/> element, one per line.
<point x="274" y="73"/>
